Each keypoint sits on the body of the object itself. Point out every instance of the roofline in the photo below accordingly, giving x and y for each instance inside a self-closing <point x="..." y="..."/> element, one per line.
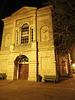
<point x="45" y="7"/>
<point x="34" y="8"/>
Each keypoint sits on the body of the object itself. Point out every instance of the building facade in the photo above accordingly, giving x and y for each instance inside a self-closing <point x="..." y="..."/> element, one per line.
<point x="27" y="48"/>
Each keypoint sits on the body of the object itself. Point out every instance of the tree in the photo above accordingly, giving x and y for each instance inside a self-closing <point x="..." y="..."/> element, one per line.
<point x="63" y="29"/>
<point x="63" y="23"/>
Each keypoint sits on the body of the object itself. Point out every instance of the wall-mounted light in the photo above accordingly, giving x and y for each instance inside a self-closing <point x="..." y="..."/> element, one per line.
<point x="73" y="64"/>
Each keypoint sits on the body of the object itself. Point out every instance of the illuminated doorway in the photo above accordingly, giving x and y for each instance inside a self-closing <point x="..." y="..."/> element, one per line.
<point x="22" y="67"/>
<point x="23" y="71"/>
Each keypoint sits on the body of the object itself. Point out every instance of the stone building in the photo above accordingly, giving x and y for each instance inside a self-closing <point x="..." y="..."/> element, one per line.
<point x="27" y="48"/>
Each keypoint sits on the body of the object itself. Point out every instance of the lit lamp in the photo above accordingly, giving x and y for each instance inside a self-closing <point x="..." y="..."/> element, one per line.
<point x="73" y="65"/>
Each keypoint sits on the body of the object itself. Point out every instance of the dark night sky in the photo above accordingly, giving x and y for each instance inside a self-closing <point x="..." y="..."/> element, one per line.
<point x="7" y="7"/>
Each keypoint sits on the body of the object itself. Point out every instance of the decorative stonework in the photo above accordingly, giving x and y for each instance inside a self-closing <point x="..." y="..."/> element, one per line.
<point x="8" y="30"/>
<point x="44" y="33"/>
<point x="20" y="22"/>
<point x="7" y="40"/>
<point x="31" y="20"/>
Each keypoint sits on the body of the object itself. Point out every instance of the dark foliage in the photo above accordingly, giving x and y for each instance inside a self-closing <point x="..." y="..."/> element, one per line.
<point x="63" y="23"/>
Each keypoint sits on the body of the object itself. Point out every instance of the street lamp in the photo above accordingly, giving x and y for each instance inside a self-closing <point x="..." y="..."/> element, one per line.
<point x="73" y="66"/>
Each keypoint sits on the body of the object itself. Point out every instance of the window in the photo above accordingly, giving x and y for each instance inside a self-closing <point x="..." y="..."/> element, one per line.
<point x="31" y="35"/>
<point x="17" y="38"/>
<point x="64" y="67"/>
<point x="25" y="34"/>
<point x="23" y="60"/>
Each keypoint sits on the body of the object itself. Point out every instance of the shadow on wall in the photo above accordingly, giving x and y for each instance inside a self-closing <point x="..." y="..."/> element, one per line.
<point x="1" y="31"/>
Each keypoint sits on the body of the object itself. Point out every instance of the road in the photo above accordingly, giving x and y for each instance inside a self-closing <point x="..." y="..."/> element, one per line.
<point x="27" y="90"/>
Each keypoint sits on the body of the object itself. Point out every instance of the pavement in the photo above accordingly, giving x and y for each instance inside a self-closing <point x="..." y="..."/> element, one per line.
<point x="28" y="90"/>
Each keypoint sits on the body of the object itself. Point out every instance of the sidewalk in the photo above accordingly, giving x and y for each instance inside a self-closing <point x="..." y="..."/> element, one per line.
<point x="65" y="82"/>
<point x="28" y="90"/>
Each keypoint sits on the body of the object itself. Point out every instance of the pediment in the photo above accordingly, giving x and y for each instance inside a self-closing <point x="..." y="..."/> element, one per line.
<point x="23" y="10"/>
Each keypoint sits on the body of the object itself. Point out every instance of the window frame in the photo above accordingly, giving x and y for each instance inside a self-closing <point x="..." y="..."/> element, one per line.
<point x="19" y="34"/>
<point x="24" y="34"/>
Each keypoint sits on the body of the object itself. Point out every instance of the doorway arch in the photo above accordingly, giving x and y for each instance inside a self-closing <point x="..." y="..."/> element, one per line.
<point x="22" y="67"/>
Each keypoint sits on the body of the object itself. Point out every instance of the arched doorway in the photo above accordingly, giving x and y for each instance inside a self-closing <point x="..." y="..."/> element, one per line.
<point x="22" y="66"/>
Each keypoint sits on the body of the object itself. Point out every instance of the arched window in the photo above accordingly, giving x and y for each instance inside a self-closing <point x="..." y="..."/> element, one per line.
<point x="24" y="34"/>
<point x="20" y="59"/>
<point x="23" y="60"/>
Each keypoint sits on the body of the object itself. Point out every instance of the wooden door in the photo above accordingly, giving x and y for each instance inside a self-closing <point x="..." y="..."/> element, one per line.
<point x="23" y="71"/>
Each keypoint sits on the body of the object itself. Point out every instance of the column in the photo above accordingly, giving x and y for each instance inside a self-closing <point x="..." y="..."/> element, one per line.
<point x="35" y="27"/>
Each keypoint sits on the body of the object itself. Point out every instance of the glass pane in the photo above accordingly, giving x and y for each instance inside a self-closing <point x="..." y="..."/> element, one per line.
<point x="31" y="34"/>
<point x="24" y="34"/>
<point x="24" y="39"/>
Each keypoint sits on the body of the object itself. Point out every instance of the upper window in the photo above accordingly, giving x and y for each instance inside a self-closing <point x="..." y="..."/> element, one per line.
<point x="24" y="34"/>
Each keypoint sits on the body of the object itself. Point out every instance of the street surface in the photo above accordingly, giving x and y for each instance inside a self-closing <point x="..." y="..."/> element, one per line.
<point x="27" y="90"/>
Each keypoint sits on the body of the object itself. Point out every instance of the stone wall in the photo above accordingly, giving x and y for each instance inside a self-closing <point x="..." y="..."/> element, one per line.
<point x="7" y="62"/>
<point x="39" y="52"/>
<point x="46" y="50"/>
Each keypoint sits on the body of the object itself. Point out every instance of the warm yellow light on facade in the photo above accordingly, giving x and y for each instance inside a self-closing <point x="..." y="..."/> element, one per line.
<point x="73" y="64"/>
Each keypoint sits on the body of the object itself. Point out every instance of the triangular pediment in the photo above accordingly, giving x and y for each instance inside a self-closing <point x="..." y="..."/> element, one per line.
<point x="23" y="10"/>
